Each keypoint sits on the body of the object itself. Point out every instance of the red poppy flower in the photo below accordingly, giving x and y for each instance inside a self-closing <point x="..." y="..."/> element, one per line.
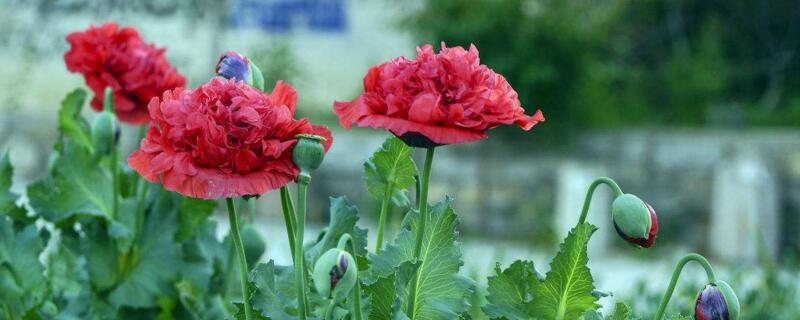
<point x="107" y="55"/>
<point x="223" y="139"/>
<point x="435" y="99"/>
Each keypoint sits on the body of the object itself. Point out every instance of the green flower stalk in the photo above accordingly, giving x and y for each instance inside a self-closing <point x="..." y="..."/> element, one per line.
<point x="237" y="242"/>
<point x="422" y="206"/>
<point x="716" y="301"/>
<point x="307" y="154"/>
<point x="105" y="135"/>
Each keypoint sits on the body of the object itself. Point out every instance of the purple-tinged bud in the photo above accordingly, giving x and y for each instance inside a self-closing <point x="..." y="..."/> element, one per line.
<point x="335" y="274"/>
<point x="717" y="301"/>
<point x="232" y="65"/>
<point x="635" y="221"/>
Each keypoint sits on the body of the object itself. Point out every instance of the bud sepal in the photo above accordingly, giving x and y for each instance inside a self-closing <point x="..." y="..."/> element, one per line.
<point x="335" y="274"/>
<point x="635" y="221"/>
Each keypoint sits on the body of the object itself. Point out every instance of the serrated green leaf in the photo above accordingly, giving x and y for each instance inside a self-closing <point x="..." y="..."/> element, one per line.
<point x="385" y="293"/>
<point x="273" y="295"/>
<point x="66" y="272"/>
<point x="391" y="169"/>
<point x="566" y="292"/>
<point x="70" y="122"/>
<point x="198" y="304"/>
<point x="343" y="219"/>
<point x="621" y="312"/>
<point x="80" y="187"/>
<point x="441" y="292"/>
<point x="510" y="291"/>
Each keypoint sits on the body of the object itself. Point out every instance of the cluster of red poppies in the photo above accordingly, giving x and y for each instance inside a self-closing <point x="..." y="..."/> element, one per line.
<point x="226" y="138"/>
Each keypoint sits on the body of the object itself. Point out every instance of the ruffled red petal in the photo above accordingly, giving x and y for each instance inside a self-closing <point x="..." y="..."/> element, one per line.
<point x="109" y="56"/>
<point x="223" y="139"/>
<point x="447" y="98"/>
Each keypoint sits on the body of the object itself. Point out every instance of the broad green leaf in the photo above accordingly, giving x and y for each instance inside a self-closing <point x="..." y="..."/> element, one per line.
<point x="621" y="312"/>
<point x="81" y="186"/>
<point x="441" y="292"/>
<point x="391" y="169"/>
<point x="678" y="317"/>
<point x="102" y="256"/>
<point x="566" y="292"/>
<point x="22" y="280"/>
<point x="148" y="271"/>
<point x="343" y="219"/>
<point x="386" y="293"/>
<point x="510" y="291"/>
<point x="203" y="255"/>
<point x="70" y="122"/>
<point x="193" y="213"/>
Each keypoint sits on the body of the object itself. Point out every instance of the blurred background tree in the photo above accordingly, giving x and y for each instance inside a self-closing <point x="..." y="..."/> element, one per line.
<point x="598" y="65"/>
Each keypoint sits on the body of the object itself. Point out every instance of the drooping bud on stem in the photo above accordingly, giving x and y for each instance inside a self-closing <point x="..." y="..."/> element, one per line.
<point x="716" y="301"/>
<point x="308" y="154"/>
<point x="335" y="274"/>
<point x="634" y="220"/>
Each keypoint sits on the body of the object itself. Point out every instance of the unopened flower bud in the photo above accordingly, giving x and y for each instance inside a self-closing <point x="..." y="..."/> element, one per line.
<point x="254" y="245"/>
<point x="104" y="132"/>
<point x="232" y="65"/>
<point x="335" y="274"/>
<point x="717" y="301"/>
<point x="308" y="153"/>
<point x="634" y="220"/>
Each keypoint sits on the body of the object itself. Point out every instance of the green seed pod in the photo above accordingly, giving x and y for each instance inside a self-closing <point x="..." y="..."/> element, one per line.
<point x="634" y="220"/>
<point x="104" y="132"/>
<point x="335" y="274"/>
<point x="254" y="245"/>
<point x="308" y="153"/>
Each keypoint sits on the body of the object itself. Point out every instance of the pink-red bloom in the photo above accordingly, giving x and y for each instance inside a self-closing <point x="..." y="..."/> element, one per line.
<point x="223" y="139"/>
<point x="438" y="98"/>
<point x="107" y="55"/>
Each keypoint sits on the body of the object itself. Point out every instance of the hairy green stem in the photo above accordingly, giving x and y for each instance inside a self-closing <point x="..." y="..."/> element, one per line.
<point x="387" y="198"/>
<point x="422" y="206"/>
<point x="114" y="182"/>
<point x="237" y="241"/>
<point x="141" y="193"/>
<point x="288" y="217"/>
<point x="676" y="273"/>
<point x="357" y="292"/>
<point x="299" y="260"/>
<point x="597" y="182"/>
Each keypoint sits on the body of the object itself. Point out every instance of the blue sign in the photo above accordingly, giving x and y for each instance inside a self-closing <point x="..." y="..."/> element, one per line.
<point x="285" y="15"/>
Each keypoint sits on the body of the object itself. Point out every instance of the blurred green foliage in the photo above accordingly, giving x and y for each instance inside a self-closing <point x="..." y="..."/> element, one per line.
<point x="606" y="64"/>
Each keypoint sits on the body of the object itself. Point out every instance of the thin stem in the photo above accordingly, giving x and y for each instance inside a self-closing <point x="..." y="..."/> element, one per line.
<point x="387" y="197"/>
<point x="329" y="311"/>
<point x="288" y="217"/>
<point x="422" y="206"/>
<point x="237" y="241"/>
<point x="114" y="182"/>
<point x="602" y="180"/>
<point x="676" y="273"/>
<point x="141" y="193"/>
<point x="357" y="292"/>
<point x="299" y="260"/>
